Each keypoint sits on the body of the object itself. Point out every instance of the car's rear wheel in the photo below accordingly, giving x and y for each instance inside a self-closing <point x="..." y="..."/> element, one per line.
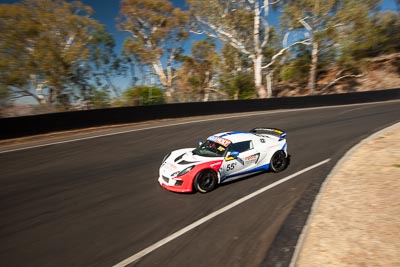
<point x="278" y="162"/>
<point x="205" y="181"/>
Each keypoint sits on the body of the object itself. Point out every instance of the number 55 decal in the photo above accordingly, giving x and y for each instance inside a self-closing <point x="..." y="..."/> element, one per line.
<point x="230" y="167"/>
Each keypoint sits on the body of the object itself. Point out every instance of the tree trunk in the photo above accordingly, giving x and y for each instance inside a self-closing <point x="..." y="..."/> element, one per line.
<point x="260" y="89"/>
<point x="312" y="80"/>
<point x="164" y="79"/>
<point x="39" y="94"/>
<point x="169" y="80"/>
<point x="206" y="96"/>
<point x="160" y="73"/>
<point x="269" y="77"/>
<point x="258" y="57"/>
<point x="38" y="86"/>
<point x="168" y="95"/>
<point x="206" y="86"/>
<point x="236" y="95"/>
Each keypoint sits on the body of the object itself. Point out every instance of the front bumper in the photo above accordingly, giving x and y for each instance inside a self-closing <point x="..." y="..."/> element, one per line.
<point x="176" y="185"/>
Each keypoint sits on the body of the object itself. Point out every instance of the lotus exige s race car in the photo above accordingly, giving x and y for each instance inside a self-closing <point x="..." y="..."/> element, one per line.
<point x="224" y="157"/>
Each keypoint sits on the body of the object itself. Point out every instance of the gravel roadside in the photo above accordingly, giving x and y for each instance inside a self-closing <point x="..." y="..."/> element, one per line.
<point x="356" y="218"/>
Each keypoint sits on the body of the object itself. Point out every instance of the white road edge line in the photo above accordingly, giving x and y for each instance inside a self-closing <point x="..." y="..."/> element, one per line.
<point x="136" y="130"/>
<point x="256" y="113"/>
<point x="186" y="229"/>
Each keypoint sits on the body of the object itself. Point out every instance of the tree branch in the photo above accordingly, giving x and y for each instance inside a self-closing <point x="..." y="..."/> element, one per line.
<point x="305" y="24"/>
<point x="265" y="23"/>
<point x="18" y="93"/>
<point x="131" y="32"/>
<point x="273" y="59"/>
<point x="341" y="78"/>
<point x="226" y="36"/>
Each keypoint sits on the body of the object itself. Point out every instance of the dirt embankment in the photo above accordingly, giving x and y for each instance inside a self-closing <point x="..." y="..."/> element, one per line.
<point x="377" y="73"/>
<point x="356" y="219"/>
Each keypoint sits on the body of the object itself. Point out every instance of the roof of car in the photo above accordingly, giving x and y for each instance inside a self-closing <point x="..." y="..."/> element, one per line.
<point x="235" y="137"/>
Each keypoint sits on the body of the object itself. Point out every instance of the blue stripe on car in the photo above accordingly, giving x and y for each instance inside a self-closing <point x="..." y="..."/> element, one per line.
<point x="260" y="168"/>
<point x="284" y="146"/>
<point x="231" y="133"/>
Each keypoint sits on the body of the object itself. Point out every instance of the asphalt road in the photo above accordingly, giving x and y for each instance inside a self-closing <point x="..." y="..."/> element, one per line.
<point x="96" y="202"/>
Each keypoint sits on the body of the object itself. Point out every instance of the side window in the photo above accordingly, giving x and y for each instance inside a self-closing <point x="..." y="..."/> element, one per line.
<point x="242" y="146"/>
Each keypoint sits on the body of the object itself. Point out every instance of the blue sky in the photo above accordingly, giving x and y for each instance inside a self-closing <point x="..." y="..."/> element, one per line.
<point x="106" y="12"/>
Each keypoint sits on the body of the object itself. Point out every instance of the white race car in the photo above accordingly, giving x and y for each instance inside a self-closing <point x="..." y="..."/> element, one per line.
<point x="224" y="157"/>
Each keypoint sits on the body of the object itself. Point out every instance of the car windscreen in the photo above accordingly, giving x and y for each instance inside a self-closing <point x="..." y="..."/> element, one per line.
<point x="210" y="149"/>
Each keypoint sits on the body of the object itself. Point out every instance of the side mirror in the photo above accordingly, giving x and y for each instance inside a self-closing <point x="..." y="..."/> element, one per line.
<point x="234" y="154"/>
<point x="200" y="142"/>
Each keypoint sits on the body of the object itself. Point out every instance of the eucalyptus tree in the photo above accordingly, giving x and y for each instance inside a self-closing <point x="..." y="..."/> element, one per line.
<point x="245" y="26"/>
<point x="143" y="96"/>
<point x="378" y="35"/>
<point x="327" y="22"/>
<point x="104" y="63"/>
<point x="234" y="77"/>
<point x="42" y="43"/>
<point x="156" y="31"/>
<point x="95" y="77"/>
<point x="199" y="70"/>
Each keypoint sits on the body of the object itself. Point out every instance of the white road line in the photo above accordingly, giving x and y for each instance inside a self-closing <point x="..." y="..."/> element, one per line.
<point x="145" y="128"/>
<point x="129" y="131"/>
<point x="186" y="229"/>
<point x="183" y="123"/>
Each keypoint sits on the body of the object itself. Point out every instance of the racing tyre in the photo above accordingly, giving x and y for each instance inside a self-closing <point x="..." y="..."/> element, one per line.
<point x="205" y="181"/>
<point x="279" y="161"/>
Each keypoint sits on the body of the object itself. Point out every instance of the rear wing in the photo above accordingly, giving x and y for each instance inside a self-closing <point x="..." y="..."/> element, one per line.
<point x="281" y="134"/>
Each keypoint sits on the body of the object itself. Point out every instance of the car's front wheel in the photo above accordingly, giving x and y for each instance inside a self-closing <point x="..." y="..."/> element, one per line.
<point x="279" y="161"/>
<point x="205" y="181"/>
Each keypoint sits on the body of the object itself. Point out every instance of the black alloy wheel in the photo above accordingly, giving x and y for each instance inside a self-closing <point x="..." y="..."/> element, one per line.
<point x="279" y="161"/>
<point x="205" y="181"/>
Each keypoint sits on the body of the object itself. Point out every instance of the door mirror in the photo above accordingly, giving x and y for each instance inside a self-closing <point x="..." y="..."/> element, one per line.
<point x="234" y="154"/>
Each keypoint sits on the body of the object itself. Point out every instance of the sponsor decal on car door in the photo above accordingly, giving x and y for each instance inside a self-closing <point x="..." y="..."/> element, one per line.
<point x="244" y="162"/>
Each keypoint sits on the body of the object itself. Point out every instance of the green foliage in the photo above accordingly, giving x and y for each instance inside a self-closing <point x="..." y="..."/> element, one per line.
<point x="239" y="85"/>
<point x="378" y="35"/>
<point x="156" y="29"/>
<point x="4" y="92"/>
<point x="55" y="45"/>
<point x="275" y="44"/>
<point x="99" y="99"/>
<point x="198" y="70"/>
<point x="244" y="25"/>
<point x="234" y="60"/>
<point x="104" y="63"/>
<point x="368" y="36"/>
<point x="142" y="95"/>
<point x="339" y="30"/>
<point x="45" y="44"/>
<point x="236" y="77"/>
<point x="293" y="73"/>
<point x="388" y="25"/>
<point x="4" y="96"/>
<point x="297" y="67"/>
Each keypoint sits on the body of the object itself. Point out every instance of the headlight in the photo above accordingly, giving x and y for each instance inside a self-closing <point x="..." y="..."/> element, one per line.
<point x="188" y="169"/>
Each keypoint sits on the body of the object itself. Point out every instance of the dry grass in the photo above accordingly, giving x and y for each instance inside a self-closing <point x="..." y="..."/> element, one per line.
<point x="357" y="221"/>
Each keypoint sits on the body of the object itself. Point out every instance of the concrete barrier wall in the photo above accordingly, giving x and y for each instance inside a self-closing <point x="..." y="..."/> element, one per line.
<point x="45" y="123"/>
